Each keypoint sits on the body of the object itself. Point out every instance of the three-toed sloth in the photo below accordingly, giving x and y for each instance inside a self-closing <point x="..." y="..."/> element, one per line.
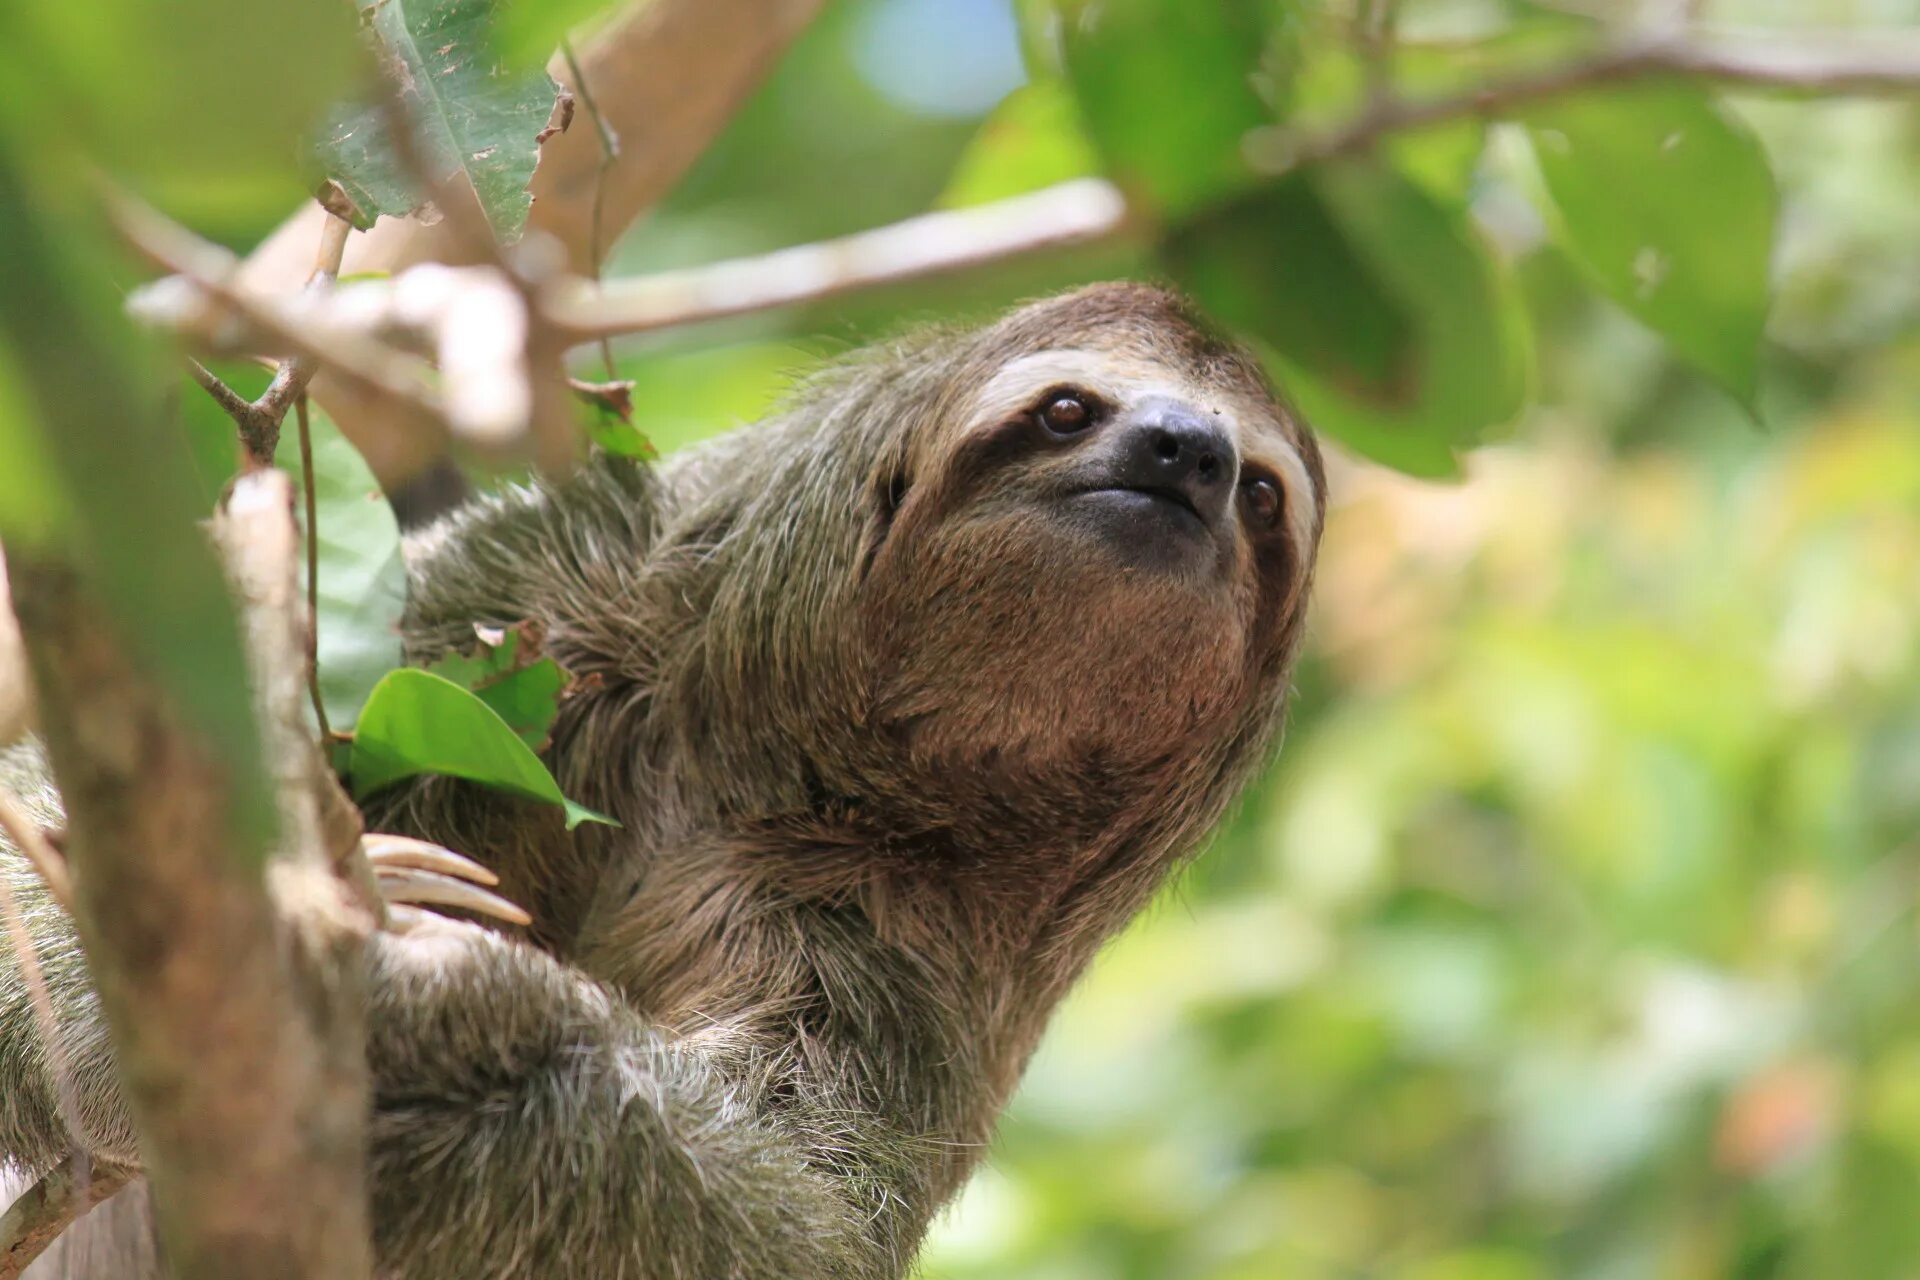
<point x="905" y="700"/>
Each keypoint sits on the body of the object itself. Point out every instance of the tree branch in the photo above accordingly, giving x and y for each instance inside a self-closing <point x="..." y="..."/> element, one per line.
<point x="255" y="1151"/>
<point x="666" y="76"/>
<point x="50" y="1206"/>
<point x="1086" y="210"/>
<point x="1849" y="68"/>
<point x="259" y="421"/>
<point x="1056" y="217"/>
<point x="379" y="376"/>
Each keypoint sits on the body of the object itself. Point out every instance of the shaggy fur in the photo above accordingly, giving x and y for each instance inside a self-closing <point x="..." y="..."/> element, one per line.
<point x="896" y="739"/>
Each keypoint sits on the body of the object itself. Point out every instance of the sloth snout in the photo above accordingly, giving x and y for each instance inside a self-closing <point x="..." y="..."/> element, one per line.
<point x="1168" y="446"/>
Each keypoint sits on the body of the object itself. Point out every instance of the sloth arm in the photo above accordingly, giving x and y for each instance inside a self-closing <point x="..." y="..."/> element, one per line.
<point x="528" y="1124"/>
<point x="525" y="1123"/>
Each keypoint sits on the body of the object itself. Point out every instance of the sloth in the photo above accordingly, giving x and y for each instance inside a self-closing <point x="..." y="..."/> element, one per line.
<point x="904" y="700"/>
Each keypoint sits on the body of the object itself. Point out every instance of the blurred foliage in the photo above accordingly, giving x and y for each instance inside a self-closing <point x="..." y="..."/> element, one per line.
<point x="1572" y="935"/>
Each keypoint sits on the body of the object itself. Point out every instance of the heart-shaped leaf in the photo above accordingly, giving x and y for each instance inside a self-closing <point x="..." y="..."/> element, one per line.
<point x="417" y="722"/>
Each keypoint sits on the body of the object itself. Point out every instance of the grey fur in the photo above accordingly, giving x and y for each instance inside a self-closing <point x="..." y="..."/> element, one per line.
<point x="888" y="771"/>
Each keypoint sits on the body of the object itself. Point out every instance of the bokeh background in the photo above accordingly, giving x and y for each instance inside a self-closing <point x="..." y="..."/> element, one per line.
<point x="1573" y="933"/>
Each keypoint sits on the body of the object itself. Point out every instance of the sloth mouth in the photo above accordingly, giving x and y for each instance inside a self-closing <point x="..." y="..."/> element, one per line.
<point x="1167" y="500"/>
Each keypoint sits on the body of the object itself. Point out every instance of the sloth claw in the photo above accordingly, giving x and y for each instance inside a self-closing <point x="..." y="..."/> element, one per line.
<point x="413" y="871"/>
<point x="404" y="851"/>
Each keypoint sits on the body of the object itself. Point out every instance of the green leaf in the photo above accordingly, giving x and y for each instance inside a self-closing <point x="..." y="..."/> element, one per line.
<point x="528" y="32"/>
<point x="1033" y="139"/>
<point x="417" y="722"/>
<point x="201" y="105"/>
<point x="1166" y="88"/>
<point x="363" y="581"/>
<point x="1276" y="264"/>
<point x="473" y="117"/>
<point x="34" y="508"/>
<point x="1387" y="318"/>
<point x="1668" y="204"/>
<point x="120" y="488"/>
<point x="508" y="672"/>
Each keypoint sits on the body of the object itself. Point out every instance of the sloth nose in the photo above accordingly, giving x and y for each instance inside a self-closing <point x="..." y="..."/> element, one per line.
<point x="1172" y="447"/>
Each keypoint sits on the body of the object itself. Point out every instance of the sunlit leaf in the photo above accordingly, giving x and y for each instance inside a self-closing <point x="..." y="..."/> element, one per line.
<point x="1033" y="139"/>
<point x="527" y="32"/>
<point x="1167" y="90"/>
<point x="473" y="116"/>
<point x="201" y="105"/>
<point x="1668" y="203"/>
<point x="120" y="486"/>
<point x="417" y="722"/>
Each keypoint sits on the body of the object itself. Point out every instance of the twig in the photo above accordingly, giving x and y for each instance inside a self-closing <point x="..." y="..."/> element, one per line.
<point x="1378" y="30"/>
<point x="313" y="568"/>
<point x="609" y="154"/>
<point x="236" y="405"/>
<point x="1889" y="68"/>
<point x="667" y="77"/>
<point x="33" y="844"/>
<point x="50" y="1206"/>
<point x="378" y="372"/>
<point x="1070" y="213"/>
<point x="259" y="420"/>
<point x="38" y="1217"/>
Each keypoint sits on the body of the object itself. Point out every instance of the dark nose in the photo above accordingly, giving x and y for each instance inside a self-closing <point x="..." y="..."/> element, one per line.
<point x="1173" y="448"/>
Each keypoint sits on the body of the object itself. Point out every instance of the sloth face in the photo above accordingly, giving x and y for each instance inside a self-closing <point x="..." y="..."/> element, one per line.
<point x="1104" y="544"/>
<point x="1166" y="469"/>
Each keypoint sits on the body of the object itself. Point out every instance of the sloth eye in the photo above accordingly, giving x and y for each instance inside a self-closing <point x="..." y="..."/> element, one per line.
<point x="1263" y="500"/>
<point x="1066" y="413"/>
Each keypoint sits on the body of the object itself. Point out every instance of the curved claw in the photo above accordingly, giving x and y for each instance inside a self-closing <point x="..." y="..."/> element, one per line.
<point x="402" y="884"/>
<point x="385" y="851"/>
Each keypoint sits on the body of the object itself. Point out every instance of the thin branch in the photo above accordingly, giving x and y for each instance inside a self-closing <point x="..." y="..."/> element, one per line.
<point x="66" y="1193"/>
<point x="259" y="421"/>
<point x="313" y="568"/>
<point x="33" y="844"/>
<point x="237" y="406"/>
<point x="1378" y="31"/>
<point x="50" y="1206"/>
<point x="380" y="374"/>
<point x="609" y="154"/>
<point x="291" y="378"/>
<point x="1881" y="68"/>
<point x="667" y="76"/>
<point x="1057" y="217"/>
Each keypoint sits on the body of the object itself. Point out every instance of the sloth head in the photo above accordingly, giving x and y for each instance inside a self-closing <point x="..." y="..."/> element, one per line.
<point x="1024" y="564"/>
<point x="1093" y="548"/>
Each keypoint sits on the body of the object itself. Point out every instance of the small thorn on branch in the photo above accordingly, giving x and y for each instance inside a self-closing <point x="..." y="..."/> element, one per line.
<point x="259" y="420"/>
